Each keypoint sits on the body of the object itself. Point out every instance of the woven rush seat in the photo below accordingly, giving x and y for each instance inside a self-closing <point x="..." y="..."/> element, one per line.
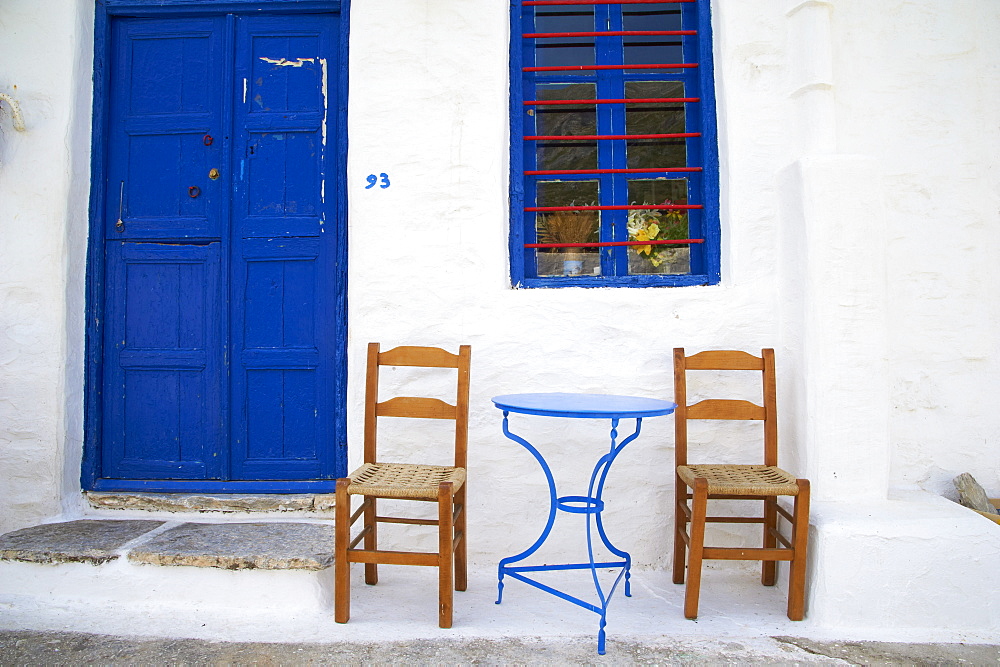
<point x="743" y="480"/>
<point x="403" y="480"/>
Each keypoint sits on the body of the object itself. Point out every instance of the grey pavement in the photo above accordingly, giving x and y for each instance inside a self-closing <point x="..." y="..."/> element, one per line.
<point x="72" y="648"/>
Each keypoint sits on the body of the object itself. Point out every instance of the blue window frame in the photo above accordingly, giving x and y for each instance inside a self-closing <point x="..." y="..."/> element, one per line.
<point x="614" y="163"/>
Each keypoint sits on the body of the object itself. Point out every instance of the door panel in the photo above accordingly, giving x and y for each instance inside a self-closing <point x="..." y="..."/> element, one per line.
<point x="282" y="124"/>
<point x="164" y="344"/>
<point x="292" y="394"/>
<point x="283" y="337"/>
<point x="283" y="184"/>
<point x="167" y="100"/>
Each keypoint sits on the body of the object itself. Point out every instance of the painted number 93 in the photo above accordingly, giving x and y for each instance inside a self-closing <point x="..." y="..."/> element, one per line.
<point x="382" y="180"/>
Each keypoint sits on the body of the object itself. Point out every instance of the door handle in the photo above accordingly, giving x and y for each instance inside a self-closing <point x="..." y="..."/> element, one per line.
<point x="213" y="173"/>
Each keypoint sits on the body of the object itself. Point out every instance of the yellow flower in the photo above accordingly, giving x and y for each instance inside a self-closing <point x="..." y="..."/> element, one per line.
<point x="654" y="229"/>
<point x="642" y="235"/>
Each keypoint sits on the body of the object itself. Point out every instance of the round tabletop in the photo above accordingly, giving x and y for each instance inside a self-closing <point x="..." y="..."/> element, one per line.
<point x="585" y="406"/>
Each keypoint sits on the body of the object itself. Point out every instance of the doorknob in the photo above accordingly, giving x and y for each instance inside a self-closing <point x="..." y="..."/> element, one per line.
<point x="213" y="174"/>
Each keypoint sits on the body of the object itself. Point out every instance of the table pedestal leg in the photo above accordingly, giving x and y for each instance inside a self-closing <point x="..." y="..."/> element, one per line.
<point x="592" y="505"/>
<point x="506" y="562"/>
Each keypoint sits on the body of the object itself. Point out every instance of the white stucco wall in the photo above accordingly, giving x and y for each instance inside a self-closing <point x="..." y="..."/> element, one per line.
<point x="44" y="186"/>
<point x="859" y="200"/>
<point x="929" y="117"/>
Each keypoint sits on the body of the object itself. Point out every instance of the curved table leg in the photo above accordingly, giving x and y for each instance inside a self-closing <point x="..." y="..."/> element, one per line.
<point x="552" y="508"/>
<point x="604" y="467"/>
<point x="593" y="506"/>
<point x="599" y="477"/>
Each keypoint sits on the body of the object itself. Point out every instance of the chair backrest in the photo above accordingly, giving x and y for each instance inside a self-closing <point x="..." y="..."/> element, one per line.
<point x="714" y="408"/>
<point x="418" y="407"/>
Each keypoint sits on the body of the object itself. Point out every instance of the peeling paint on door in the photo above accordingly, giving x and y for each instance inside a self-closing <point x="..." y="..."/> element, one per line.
<point x="284" y="62"/>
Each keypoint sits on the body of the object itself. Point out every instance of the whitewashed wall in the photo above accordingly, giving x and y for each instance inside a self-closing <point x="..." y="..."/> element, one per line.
<point x="46" y="51"/>
<point x="931" y="121"/>
<point x="859" y="199"/>
<point x="428" y="264"/>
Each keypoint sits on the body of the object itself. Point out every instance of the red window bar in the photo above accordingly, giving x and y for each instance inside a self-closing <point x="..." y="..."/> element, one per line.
<point x="600" y="2"/>
<point x="617" y="207"/>
<point x="629" y="100"/>
<point x="559" y="172"/>
<point x="575" y="68"/>
<point x="607" y="244"/>
<point x="607" y="33"/>
<point x="594" y="137"/>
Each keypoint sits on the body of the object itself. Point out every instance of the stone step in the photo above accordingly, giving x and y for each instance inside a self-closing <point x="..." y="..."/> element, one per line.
<point x="280" y="564"/>
<point x="231" y="546"/>
<point x="93" y="542"/>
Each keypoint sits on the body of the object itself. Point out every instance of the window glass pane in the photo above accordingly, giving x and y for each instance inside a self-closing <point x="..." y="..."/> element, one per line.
<point x="655" y="118"/>
<point x="568" y="227"/>
<point x="652" y="16"/>
<point x="566" y="119"/>
<point x="657" y="225"/>
<point x="563" y="51"/>
<point x="653" y="49"/>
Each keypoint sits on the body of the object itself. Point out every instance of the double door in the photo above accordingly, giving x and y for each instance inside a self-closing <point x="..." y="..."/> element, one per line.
<point x="223" y="288"/>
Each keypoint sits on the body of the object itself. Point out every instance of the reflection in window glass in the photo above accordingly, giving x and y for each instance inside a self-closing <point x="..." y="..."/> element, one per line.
<point x="652" y="16"/>
<point x="655" y="118"/>
<point x="565" y="51"/>
<point x="644" y="50"/>
<point x="566" y="119"/>
<point x="651" y="224"/>
<point x="568" y="227"/>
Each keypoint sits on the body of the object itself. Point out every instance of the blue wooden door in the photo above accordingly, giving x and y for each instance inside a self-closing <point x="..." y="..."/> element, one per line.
<point x="222" y="291"/>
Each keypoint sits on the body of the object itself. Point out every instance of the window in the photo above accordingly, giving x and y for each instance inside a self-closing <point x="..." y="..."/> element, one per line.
<point x="614" y="167"/>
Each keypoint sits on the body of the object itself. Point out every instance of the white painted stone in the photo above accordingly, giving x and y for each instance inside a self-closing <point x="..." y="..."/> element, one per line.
<point x="123" y="584"/>
<point x="857" y="580"/>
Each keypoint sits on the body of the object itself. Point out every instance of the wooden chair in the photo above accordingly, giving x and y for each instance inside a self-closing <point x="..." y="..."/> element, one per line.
<point x="701" y="483"/>
<point x="444" y="485"/>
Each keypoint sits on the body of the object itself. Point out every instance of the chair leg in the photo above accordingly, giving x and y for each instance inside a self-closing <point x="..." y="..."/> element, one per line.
<point x="800" y="540"/>
<point x="680" y="526"/>
<point x="699" y="508"/>
<point x="461" y="568"/>
<point x="341" y="565"/>
<point x="446" y="563"/>
<point x="370" y="539"/>
<point x="769" y="568"/>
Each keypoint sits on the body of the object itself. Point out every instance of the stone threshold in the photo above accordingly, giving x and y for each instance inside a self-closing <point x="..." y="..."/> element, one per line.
<point x="305" y="503"/>
<point x="231" y="546"/>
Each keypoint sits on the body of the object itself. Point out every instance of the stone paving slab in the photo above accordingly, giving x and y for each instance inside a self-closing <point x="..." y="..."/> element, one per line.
<point x="84" y="541"/>
<point x="70" y="648"/>
<point x="241" y="546"/>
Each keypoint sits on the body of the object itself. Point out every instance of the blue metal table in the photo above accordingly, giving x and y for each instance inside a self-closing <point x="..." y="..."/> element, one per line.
<point x="578" y="406"/>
